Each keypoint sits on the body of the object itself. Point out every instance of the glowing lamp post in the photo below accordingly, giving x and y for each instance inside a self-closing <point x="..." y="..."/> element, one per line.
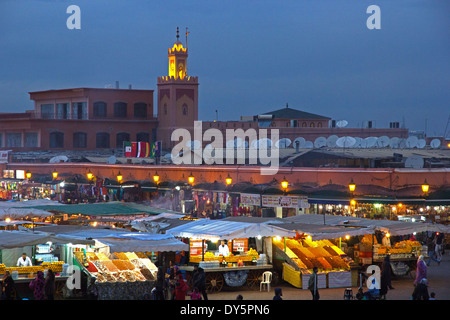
<point x="425" y="187"/>
<point x="284" y="184"/>
<point x="191" y="179"/>
<point x="228" y="180"/>
<point x="54" y="174"/>
<point x="156" y="178"/>
<point x="119" y="177"/>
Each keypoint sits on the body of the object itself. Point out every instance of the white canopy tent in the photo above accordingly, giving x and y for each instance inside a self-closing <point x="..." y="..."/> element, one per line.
<point x="227" y="230"/>
<point x="393" y="227"/>
<point x="120" y="241"/>
<point x="321" y="232"/>
<point x="18" y="239"/>
<point x="20" y="213"/>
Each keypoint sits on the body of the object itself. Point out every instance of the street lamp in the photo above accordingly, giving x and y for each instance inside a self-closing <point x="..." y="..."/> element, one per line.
<point x="90" y="175"/>
<point x="28" y="175"/>
<point x="54" y="174"/>
<point x="228" y="180"/>
<point x="119" y="177"/>
<point x="352" y="186"/>
<point x="425" y="187"/>
<point x="191" y="179"/>
<point x="156" y="177"/>
<point x="284" y="184"/>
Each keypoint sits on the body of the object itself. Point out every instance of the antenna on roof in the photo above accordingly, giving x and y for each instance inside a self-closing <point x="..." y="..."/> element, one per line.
<point x="287" y="105"/>
<point x="186" y="36"/>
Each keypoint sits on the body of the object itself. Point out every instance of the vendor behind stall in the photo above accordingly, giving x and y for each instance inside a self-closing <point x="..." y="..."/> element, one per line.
<point x="24" y="261"/>
<point x="223" y="249"/>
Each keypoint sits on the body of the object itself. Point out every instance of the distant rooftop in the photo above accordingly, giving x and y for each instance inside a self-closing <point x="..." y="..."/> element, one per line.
<point x="289" y="113"/>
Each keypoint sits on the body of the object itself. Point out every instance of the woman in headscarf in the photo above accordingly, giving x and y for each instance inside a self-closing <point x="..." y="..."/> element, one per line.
<point x="421" y="271"/>
<point x="180" y="288"/>
<point x="37" y="285"/>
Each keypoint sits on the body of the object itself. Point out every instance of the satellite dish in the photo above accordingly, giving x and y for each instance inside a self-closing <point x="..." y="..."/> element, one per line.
<point x="411" y="142"/>
<point x="301" y="142"/>
<point x="402" y="143"/>
<point x="435" y="143"/>
<point x="308" y="145"/>
<point x="342" y="123"/>
<point x="357" y="142"/>
<point x="345" y="142"/>
<point x="112" y="160"/>
<point x="283" y="143"/>
<point x="421" y="143"/>
<point x="331" y="141"/>
<point x="414" y="161"/>
<point x="320" y="142"/>
<point x="371" y="141"/>
<point x="193" y="145"/>
<point x="264" y="143"/>
<point x="363" y="143"/>
<point x="394" y="143"/>
<point x="383" y="142"/>
<point x="58" y="159"/>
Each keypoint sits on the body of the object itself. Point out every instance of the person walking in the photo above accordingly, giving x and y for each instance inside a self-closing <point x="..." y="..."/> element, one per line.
<point x="421" y="290"/>
<point x="431" y="253"/>
<point x="7" y="286"/>
<point x="160" y="284"/>
<point x="278" y="294"/>
<point x="199" y="281"/>
<point x="421" y="271"/>
<point x="385" y="276"/>
<point x="438" y="248"/>
<point x="180" y="288"/>
<point x="49" y="287"/>
<point x="313" y="285"/>
<point x="37" y="285"/>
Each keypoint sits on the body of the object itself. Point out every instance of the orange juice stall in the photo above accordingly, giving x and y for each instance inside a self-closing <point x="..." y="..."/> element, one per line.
<point x="231" y="253"/>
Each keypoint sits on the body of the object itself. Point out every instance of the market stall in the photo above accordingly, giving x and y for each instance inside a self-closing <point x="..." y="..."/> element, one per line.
<point x="46" y="252"/>
<point x="243" y="265"/>
<point x="120" y="261"/>
<point x="317" y="246"/>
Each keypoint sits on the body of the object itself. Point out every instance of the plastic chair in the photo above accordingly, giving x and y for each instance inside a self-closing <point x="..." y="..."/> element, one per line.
<point x="266" y="279"/>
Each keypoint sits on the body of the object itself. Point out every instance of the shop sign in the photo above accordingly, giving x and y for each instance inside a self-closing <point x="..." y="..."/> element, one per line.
<point x="284" y="201"/>
<point x="248" y="199"/>
<point x="4" y="156"/>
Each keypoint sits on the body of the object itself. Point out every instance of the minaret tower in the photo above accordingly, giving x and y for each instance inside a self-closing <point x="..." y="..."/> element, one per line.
<point x="177" y="96"/>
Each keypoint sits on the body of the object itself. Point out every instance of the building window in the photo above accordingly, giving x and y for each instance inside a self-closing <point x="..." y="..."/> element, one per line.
<point x="79" y="111"/>
<point x="62" y="111"/>
<point x="47" y="111"/>
<point x="120" y="110"/>
<point x="121" y="137"/>
<point x="56" y="140"/>
<point x="165" y="108"/>
<point x="1" y="140"/>
<point x="319" y="124"/>
<point x="311" y="124"/>
<point x="100" y="109"/>
<point x="31" y="139"/>
<point x="140" y="110"/>
<point x="185" y="109"/>
<point x="13" y="139"/>
<point x="304" y="125"/>
<point x="102" y="140"/>
<point x="79" y="140"/>
<point x="143" y="137"/>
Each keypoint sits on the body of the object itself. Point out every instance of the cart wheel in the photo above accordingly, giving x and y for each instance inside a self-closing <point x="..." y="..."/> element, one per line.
<point x="60" y="290"/>
<point x="214" y="282"/>
<point x="254" y="278"/>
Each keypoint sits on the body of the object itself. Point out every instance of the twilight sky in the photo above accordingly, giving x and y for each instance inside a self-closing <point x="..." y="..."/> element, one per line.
<point x="250" y="56"/>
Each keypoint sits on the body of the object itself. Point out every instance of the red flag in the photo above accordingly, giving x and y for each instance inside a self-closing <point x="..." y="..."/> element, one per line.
<point x="142" y="149"/>
<point x="133" y="149"/>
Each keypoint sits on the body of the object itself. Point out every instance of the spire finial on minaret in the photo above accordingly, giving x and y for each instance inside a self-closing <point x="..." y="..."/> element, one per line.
<point x="178" y="34"/>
